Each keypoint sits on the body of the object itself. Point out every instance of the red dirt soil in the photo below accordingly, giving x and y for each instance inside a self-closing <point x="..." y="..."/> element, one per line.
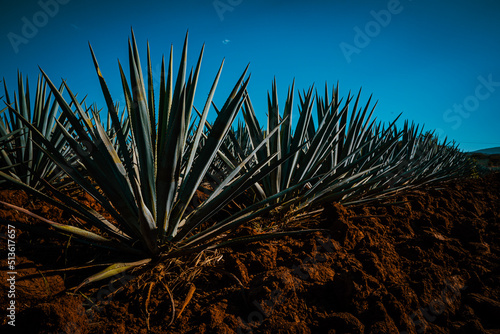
<point x="427" y="262"/>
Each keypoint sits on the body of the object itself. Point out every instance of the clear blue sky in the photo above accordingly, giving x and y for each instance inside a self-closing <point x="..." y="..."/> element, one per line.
<point x="435" y="61"/>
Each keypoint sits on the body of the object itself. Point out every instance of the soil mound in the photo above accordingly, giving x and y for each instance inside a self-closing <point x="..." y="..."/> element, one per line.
<point x="426" y="261"/>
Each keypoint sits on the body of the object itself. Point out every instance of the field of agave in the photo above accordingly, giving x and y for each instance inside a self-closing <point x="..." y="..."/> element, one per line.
<point x="145" y="163"/>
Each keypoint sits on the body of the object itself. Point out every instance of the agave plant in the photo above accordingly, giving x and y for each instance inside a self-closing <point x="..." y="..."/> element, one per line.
<point x="345" y="159"/>
<point x="327" y="153"/>
<point x="409" y="159"/>
<point x="20" y="158"/>
<point x="146" y="181"/>
<point x="421" y="158"/>
<point x="145" y="166"/>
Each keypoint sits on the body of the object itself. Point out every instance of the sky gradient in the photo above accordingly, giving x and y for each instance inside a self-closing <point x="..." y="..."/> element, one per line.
<point x="436" y="62"/>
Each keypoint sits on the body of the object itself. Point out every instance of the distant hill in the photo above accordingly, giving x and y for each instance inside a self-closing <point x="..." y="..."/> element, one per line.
<point x="488" y="157"/>
<point x="493" y="150"/>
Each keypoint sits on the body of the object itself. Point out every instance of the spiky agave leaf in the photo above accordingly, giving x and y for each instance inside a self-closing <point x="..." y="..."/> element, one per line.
<point x="19" y="156"/>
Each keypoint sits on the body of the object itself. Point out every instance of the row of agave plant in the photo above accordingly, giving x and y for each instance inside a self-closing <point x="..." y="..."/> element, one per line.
<point x="145" y="164"/>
